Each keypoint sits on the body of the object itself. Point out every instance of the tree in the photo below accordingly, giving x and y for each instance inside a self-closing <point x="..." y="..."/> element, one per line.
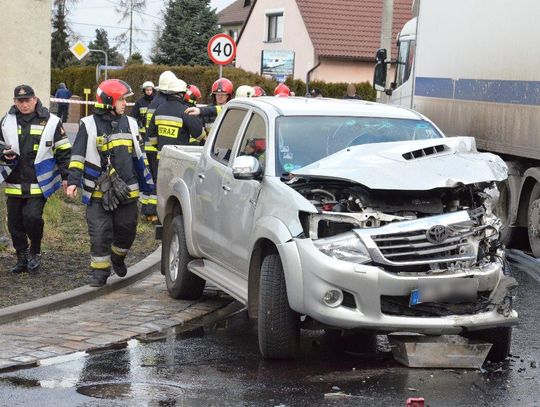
<point x="189" y="24"/>
<point x="102" y="42"/>
<point x="126" y="8"/>
<point x="60" y="54"/>
<point x="135" y="59"/>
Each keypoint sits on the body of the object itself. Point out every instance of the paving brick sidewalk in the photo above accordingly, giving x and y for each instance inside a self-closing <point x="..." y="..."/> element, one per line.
<point x="139" y="309"/>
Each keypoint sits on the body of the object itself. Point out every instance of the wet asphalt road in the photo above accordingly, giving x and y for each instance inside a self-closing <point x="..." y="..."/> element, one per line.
<point x="216" y="363"/>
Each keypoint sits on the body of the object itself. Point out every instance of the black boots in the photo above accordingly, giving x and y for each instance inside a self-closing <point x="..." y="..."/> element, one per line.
<point x="22" y="262"/>
<point x="118" y="264"/>
<point x="99" y="278"/>
<point x="34" y="262"/>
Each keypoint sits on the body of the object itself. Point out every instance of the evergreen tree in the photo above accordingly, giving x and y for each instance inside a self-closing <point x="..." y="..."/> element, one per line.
<point x="102" y="42"/>
<point x="60" y="53"/>
<point x="189" y="24"/>
<point x="135" y="59"/>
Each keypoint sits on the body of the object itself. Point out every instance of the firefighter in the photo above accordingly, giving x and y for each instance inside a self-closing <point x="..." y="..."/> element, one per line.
<point x="170" y="124"/>
<point x="108" y="163"/>
<point x="149" y="202"/>
<point x="222" y="92"/>
<point x="34" y="156"/>
<point x="138" y="111"/>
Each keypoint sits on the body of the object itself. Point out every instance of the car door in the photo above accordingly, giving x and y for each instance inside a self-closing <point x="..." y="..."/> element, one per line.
<point x="239" y="199"/>
<point x="208" y="185"/>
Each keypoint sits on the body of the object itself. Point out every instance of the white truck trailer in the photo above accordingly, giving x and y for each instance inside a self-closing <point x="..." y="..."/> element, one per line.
<point x="473" y="67"/>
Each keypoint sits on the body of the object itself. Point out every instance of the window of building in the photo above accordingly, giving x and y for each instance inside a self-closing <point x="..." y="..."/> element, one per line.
<point x="233" y="34"/>
<point x="275" y="27"/>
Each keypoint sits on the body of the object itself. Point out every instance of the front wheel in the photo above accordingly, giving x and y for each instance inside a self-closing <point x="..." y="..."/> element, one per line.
<point x="278" y="324"/>
<point x="501" y="338"/>
<point x="181" y="283"/>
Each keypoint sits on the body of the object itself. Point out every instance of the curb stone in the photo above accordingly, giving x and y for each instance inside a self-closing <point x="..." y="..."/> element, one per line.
<point x="74" y="297"/>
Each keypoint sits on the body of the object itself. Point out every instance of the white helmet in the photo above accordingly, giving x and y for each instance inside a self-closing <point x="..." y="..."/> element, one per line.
<point x="245" y="91"/>
<point x="148" y="84"/>
<point x="165" y="80"/>
<point x="177" y="86"/>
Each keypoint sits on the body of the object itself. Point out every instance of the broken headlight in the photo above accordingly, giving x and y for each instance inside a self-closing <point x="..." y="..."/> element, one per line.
<point x="345" y="247"/>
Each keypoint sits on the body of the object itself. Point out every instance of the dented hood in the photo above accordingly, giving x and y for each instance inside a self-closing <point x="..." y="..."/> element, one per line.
<point x="410" y="165"/>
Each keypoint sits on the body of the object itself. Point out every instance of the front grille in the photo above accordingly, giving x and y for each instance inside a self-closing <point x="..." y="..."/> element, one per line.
<point x="414" y="248"/>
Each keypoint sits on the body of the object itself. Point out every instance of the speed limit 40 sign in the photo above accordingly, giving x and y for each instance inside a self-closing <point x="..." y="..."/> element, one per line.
<point x="221" y="49"/>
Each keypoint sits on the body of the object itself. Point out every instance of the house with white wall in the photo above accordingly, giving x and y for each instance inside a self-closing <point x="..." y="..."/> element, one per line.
<point x="334" y="41"/>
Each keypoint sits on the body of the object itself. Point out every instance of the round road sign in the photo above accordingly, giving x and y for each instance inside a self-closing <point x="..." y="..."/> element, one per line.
<point x="221" y="49"/>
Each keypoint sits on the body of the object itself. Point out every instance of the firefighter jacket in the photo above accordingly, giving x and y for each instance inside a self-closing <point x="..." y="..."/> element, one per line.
<point x="171" y="125"/>
<point x="139" y="109"/>
<point x="42" y="150"/>
<point x="208" y="116"/>
<point x="106" y="140"/>
<point x="158" y="100"/>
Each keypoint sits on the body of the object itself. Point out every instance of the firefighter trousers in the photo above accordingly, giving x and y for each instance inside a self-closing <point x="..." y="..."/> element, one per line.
<point x="111" y="233"/>
<point x="148" y="207"/>
<point x="25" y="222"/>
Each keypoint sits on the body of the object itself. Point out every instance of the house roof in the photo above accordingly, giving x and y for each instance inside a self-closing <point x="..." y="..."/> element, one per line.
<point x="235" y="13"/>
<point x="350" y="28"/>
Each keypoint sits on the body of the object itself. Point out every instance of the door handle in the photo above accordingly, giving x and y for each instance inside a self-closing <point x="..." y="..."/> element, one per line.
<point x="226" y="188"/>
<point x="202" y="176"/>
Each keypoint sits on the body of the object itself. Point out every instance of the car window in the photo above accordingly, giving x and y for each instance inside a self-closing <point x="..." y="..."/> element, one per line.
<point x="226" y="135"/>
<point x="254" y="140"/>
<point x="302" y="140"/>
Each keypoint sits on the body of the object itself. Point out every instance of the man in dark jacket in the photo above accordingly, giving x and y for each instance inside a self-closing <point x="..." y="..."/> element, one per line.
<point x="63" y="107"/>
<point x="34" y="156"/>
<point x="109" y="164"/>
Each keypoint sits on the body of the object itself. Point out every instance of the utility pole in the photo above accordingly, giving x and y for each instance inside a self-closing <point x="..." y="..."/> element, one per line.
<point x="386" y="36"/>
<point x="130" y="25"/>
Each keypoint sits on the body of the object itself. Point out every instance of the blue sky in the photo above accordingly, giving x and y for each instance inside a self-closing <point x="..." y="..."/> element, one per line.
<point x="86" y="16"/>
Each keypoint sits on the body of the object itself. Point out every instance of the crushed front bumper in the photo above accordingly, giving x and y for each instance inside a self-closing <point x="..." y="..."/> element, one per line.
<point x="314" y="273"/>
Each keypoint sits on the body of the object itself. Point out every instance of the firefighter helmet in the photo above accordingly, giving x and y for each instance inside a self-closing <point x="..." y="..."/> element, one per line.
<point x="222" y="85"/>
<point x="165" y="80"/>
<point x="282" y="90"/>
<point x="245" y="91"/>
<point x="259" y="91"/>
<point x="192" y="95"/>
<point x="147" y="84"/>
<point x="177" y="86"/>
<point x="109" y="91"/>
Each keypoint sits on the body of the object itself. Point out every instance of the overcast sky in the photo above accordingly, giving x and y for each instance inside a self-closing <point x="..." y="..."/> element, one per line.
<point x="85" y="16"/>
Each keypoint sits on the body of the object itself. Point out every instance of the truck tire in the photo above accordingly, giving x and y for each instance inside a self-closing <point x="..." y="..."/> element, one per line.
<point x="501" y="338"/>
<point x="278" y="325"/>
<point x="181" y="283"/>
<point x="533" y="220"/>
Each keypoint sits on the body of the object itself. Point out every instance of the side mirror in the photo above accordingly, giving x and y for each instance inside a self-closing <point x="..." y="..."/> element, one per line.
<point x="379" y="78"/>
<point x="246" y="167"/>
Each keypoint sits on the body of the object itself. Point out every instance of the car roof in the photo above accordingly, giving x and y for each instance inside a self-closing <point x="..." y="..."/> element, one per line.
<point x="301" y="106"/>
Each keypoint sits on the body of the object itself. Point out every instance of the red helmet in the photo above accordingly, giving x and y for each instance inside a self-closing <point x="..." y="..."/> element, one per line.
<point x="259" y="91"/>
<point x="109" y="91"/>
<point x="192" y="95"/>
<point x="223" y="85"/>
<point x="282" y="90"/>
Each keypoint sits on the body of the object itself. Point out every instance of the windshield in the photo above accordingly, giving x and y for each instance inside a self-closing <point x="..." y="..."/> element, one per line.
<point x="302" y="140"/>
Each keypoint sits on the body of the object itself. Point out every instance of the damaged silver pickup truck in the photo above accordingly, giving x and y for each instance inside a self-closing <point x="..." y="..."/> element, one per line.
<point x="340" y="214"/>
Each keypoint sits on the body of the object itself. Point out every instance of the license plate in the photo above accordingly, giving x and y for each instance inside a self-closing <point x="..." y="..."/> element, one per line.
<point x="454" y="290"/>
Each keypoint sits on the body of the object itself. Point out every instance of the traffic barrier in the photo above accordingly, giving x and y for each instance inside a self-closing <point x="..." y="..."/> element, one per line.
<point x="79" y="102"/>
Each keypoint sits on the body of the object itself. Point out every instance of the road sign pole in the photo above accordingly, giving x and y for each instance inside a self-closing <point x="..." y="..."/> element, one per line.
<point x="220" y="71"/>
<point x="106" y="59"/>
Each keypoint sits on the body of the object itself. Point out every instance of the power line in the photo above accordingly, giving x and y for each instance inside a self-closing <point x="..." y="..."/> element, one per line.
<point x="112" y="26"/>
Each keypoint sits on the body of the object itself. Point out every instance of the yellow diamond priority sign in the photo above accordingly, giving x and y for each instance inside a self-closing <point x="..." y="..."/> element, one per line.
<point x="79" y="50"/>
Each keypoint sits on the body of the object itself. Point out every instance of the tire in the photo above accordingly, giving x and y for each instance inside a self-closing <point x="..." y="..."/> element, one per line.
<point x="278" y="325"/>
<point x="533" y="220"/>
<point x="501" y="338"/>
<point x="181" y="283"/>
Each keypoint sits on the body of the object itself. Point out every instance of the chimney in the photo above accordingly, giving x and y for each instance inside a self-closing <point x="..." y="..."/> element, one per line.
<point x="247" y="3"/>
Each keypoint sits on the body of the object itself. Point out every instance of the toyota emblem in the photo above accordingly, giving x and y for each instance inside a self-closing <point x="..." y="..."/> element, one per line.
<point x="437" y="234"/>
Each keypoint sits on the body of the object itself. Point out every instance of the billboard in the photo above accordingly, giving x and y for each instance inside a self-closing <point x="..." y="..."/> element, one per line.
<point x="277" y="64"/>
